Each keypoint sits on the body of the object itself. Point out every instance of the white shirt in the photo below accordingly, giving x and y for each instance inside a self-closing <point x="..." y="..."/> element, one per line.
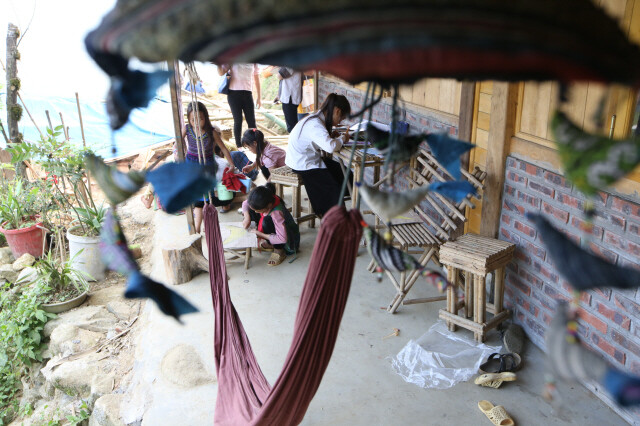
<point x="290" y="90"/>
<point x="306" y="140"/>
<point x="242" y="76"/>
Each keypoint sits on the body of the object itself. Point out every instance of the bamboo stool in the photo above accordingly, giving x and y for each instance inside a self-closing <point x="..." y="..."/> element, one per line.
<point x="284" y="176"/>
<point x="476" y="256"/>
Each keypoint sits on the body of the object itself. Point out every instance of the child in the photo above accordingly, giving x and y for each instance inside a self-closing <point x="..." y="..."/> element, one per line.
<point x="275" y="223"/>
<point x="268" y="156"/>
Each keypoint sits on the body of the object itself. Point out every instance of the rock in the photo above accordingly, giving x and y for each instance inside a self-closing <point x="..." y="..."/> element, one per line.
<point x="7" y="273"/>
<point x="92" y="318"/>
<point x="28" y="274"/>
<point x="106" y="411"/>
<point x="88" y="377"/>
<point x="6" y="256"/>
<point x="68" y="339"/>
<point x="23" y="261"/>
<point x="121" y="310"/>
<point x="183" y="367"/>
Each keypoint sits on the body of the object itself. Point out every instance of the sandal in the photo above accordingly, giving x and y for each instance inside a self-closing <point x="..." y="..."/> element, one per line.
<point x="497" y="414"/>
<point x="494" y="380"/>
<point x="225" y="209"/>
<point x="276" y="259"/>
<point x="499" y="363"/>
<point x="265" y="248"/>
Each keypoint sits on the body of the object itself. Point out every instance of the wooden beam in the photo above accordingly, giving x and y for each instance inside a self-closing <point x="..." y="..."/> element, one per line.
<point x="465" y="124"/>
<point x="174" y="78"/>
<point x="501" y="128"/>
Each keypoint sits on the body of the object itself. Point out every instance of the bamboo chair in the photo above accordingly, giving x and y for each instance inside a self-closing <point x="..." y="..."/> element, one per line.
<point x="445" y="223"/>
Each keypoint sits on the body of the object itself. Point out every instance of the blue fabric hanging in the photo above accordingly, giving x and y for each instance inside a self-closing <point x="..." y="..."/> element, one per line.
<point x="181" y="184"/>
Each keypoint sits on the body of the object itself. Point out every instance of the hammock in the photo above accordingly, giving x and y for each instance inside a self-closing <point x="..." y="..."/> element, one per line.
<point x="244" y="395"/>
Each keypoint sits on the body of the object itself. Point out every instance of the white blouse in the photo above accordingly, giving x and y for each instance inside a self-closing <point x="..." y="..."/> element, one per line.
<point x="306" y="141"/>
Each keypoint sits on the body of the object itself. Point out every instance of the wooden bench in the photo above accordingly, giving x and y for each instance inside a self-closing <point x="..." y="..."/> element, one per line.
<point x="285" y="177"/>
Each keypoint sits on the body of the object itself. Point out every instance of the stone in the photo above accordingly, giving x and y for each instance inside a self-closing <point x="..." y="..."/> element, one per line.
<point x="88" y="377"/>
<point x="183" y="367"/>
<point x="28" y="274"/>
<point x="121" y="310"/>
<point x="92" y="318"/>
<point x="106" y="411"/>
<point x="7" y="273"/>
<point x="6" y="256"/>
<point x="68" y="339"/>
<point x="23" y="261"/>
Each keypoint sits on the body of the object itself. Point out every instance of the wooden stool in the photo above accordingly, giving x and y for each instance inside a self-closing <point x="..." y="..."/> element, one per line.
<point x="284" y="176"/>
<point x="476" y="256"/>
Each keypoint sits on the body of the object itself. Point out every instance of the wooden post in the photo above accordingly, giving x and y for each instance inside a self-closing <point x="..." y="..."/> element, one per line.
<point x="178" y="119"/>
<point x="14" y="111"/>
<point x="501" y="128"/>
<point x="465" y="124"/>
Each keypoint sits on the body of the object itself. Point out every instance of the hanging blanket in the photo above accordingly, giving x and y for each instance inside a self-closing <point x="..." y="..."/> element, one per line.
<point x="244" y="395"/>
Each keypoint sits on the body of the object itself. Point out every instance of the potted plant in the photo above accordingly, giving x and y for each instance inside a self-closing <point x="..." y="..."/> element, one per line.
<point x="61" y="286"/>
<point x="84" y="238"/>
<point x="19" y="218"/>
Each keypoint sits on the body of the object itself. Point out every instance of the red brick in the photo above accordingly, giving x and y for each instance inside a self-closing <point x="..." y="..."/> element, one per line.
<point x="601" y="197"/>
<point x="625" y="207"/>
<point x="544" y="301"/>
<point x="528" y="199"/>
<point x="559" y="214"/>
<point x="545" y="272"/>
<point x="534" y="249"/>
<point x="530" y="278"/>
<point x="549" y="192"/>
<point x="571" y="235"/>
<point x="626" y="263"/>
<point x="629" y="306"/>
<point x="622" y="320"/>
<point x="521" y="255"/>
<point x="603" y="252"/>
<point x="509" y="236"/>
<point x="513" y="207"/>
<point x="533" y="310"/>
<point x="592" y="320"/>
<point x="607" y="348"/>
<point x="530" y="169"/>
<point x="620" y="339"/>
<point x="555" y="294"/>
<point x="556" y="180"/>
<point x="515" y="177"/>
<point x="622" y="243"/>
<point x="512" y="162"/>
<point x="513" y="280"/>
<point x="570" y="201"/>
<point x="612" y="219"/>
<point x="586" y="227"/>
<point x="510" y="190"/>
<point x="546" y="318"/>
<point x="634" y="229"/>
<point x="535" y="326"/>
<point x="506" y="219"/>
<point x="513" y="266"/>
<point x="635" y="367"/>
<point x="525" y="229"/>
<point x="604" y="292"/>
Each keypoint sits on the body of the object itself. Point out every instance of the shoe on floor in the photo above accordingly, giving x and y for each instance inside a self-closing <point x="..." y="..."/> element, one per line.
<point x="513" y="339"/>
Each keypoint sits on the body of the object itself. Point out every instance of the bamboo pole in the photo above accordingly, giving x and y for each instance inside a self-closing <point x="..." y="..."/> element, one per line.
<point x="30" y="116"/>
<point x="65" y="129"/>
<point x="49" y="119"/>
<point x="84" y="142"/>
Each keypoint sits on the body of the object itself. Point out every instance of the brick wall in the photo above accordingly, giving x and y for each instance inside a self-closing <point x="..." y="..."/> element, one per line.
<point x="610" y="319"/>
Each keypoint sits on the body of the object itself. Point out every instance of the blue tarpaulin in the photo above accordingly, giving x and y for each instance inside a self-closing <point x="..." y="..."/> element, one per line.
<point x="149" y="126"/>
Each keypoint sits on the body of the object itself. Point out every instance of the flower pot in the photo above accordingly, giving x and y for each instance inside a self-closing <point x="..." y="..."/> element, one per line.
<point x="25" y="240"/>
<point x="56" y="308"/>
<point x="89" y="260"/>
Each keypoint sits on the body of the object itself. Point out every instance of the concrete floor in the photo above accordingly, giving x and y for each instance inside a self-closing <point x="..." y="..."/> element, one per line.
<point x="359" y="386"/>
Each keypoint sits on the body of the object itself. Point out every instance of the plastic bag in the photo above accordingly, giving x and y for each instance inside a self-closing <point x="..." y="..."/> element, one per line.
<point x="440" y="359"/>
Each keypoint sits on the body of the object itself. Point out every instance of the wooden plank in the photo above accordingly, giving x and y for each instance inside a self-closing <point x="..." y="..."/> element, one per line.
<point x="465" y="124"/>
<point x="432" y="93"/>
<point x="503" y="113"/>
<point x="424" y="300"/>
<point x="485" y="103"/>
<point x="486" y="87"/>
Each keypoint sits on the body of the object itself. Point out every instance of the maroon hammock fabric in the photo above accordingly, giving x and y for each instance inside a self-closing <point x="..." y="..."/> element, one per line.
<point x="244" y="395"/>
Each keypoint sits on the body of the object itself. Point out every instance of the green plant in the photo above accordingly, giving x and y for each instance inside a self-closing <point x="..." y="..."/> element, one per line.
<point x="91" y="218"/>
<point x="21" y="328"/>
<point x="81" y="416"/>
<point x="58" y="280"/>
<point x="19" y="204"/>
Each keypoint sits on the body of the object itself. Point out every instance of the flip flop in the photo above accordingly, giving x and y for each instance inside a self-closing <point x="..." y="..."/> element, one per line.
<point x="494" y="380"/>
<point x="275" y="259"/>
<point x="498" y="363"/>
<point x="497" y="414"/>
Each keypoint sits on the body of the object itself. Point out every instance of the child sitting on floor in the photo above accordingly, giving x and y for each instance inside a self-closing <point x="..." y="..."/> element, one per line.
<point x="268" y="156"/>
<point x="275" y="223"/>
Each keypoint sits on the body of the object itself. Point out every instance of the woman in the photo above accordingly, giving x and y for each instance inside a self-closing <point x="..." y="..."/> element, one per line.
<point x="240" y="97"/>
<point x="322" y="177"/>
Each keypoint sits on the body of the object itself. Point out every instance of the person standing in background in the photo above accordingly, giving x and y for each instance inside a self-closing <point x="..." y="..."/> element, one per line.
<point x="290" y="94"/>
<point x="240" y="97"/>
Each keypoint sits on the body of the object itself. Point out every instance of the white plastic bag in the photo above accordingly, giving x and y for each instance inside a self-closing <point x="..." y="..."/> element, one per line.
<point x="440" y="359"/>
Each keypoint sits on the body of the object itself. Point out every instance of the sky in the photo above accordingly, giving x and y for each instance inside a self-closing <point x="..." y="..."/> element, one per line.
<point x="53" y="59"/>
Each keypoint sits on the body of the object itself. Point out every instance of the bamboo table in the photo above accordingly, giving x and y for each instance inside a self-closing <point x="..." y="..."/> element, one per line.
<point x="476" y="256"/>
<point x="371" y="160"/>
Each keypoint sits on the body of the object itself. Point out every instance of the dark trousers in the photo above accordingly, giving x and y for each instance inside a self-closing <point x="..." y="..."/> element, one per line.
<point x="241" y="101"/>
<point x="267" y="226"/>
<point x="323" y="185"/>
<point x="290" y="115"/>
